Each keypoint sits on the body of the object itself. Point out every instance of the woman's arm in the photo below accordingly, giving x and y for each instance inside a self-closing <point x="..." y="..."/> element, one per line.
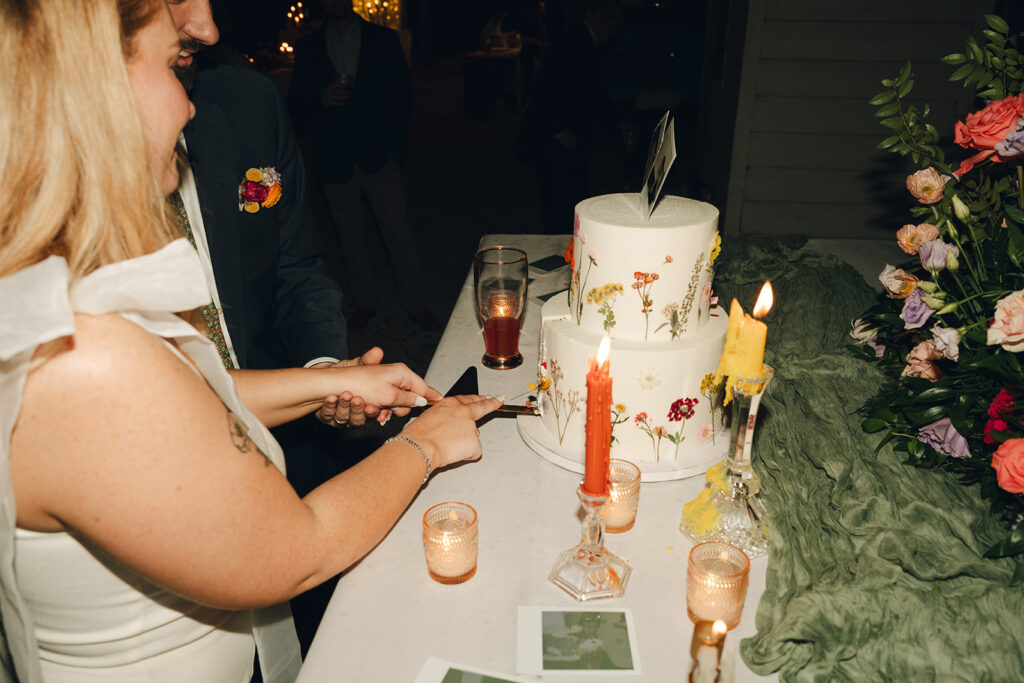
<point x="279" y="396"/>
<point x="144" y="460"/>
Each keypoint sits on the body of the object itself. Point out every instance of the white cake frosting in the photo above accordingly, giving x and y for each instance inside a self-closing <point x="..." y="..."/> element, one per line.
<point x="648" y="285"/>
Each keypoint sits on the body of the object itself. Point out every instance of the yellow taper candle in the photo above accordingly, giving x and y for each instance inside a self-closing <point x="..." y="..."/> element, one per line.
<point x="745" y="337"/>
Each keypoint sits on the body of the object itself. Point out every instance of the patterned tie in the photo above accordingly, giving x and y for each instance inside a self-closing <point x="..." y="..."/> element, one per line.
<point x="210" y="314"/>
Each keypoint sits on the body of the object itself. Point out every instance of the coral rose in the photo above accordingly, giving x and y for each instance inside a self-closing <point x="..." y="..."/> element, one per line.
<point x="911" y="237"/>
<point x="273" y="196"/>
<point x="1007" y="329"/>
<point x="1008" y="462"/>
<point x="919" y="362"/>
<point x="984" y="129"/>
<point x="926" y="185"/>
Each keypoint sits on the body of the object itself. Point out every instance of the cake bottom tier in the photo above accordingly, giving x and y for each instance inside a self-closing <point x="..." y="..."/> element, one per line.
<point x="665" y="408"/>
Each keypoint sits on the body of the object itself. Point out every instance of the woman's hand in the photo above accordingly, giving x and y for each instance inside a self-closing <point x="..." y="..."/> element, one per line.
<point x="447" y="431"/>
<point x="344" y="409"/>
<point x="393" y="386"/>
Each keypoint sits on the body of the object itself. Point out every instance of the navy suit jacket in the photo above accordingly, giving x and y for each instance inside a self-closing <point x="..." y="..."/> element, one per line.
<point x="281" y="306"/>
<point x="375" y="123"/>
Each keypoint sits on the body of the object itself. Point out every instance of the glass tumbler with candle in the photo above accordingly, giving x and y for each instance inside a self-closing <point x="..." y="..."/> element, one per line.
<point x="499" y="283"/>
<point x="716" y="583"/>
<point x="623" y="496"/>
<point x="450" y="542"/>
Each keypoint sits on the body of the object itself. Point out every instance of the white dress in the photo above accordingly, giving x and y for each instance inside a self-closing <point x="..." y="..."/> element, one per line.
<point x="70" y="612"/>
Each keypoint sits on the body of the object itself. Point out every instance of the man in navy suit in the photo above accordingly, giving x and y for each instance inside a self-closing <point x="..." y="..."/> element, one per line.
<point x="352" y="92"/>
<point x="275" y="303"/>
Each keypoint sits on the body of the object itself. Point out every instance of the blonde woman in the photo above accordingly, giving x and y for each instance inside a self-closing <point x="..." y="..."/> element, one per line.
<point x="143" y="513"/>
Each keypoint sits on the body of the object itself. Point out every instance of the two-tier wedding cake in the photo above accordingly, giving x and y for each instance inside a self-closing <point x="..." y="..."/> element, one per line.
<point x="646" y="283"/>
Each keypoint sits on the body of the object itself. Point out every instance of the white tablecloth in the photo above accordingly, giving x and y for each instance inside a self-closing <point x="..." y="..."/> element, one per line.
<point x="387" y="616"/>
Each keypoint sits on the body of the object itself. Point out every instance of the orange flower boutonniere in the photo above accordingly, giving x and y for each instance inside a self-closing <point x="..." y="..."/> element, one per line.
<point x="261" y="188"/>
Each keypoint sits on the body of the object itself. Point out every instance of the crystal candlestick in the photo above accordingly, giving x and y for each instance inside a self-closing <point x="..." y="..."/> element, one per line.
<point x="728" y="509"/>
<point x="589" y="570"/>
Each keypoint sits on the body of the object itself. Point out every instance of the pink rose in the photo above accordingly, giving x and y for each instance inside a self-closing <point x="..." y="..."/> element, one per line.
<point x="1008" y="462"/>
<point x="919" y="362"/>
<point x="911" y="237"/>
<point x="1007" y="328"/>
<point x="897" y="282"/>
<point x="982" y="130"/>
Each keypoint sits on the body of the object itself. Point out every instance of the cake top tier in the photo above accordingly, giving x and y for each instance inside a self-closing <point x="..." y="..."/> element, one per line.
<point x="624" y="210"/>
<point x="640" y="279"/>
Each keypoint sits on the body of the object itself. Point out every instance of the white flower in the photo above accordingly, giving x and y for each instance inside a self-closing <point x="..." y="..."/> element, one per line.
<point x="648" y="379"/>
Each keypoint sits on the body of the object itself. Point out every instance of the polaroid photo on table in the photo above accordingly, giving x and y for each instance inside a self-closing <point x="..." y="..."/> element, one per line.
<point x="646" y="198"/>
<point x="580" y="641"/>
<point x="662" y="163"/>
<point x="436" y="670"/>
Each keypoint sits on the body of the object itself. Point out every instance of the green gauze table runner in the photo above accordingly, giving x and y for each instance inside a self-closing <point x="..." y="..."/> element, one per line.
<point x="875" y="569"/>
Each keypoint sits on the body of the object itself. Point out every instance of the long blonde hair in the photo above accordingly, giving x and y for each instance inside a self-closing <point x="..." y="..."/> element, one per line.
<point x="75" y="174"/>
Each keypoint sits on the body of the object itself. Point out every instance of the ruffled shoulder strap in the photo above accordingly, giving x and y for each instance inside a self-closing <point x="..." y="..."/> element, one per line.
<point x="34" y="309"/>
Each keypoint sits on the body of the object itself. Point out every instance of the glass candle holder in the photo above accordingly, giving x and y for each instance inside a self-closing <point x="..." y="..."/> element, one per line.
<point x="499" y="284"/>
<point x="716" y="583"/>
<point x="450" y="542"/>
<point x="623" y="496"/>
<point x="589" y="570"/>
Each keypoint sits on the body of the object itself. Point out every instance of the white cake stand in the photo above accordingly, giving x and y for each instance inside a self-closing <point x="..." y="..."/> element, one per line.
<point x="538" y="438"/>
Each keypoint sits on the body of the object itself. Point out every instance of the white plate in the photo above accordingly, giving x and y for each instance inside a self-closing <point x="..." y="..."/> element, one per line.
<point x="538" y="438"/>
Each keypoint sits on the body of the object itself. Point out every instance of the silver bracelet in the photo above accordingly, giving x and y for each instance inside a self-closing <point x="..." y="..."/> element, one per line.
<point x="419" y="448"/>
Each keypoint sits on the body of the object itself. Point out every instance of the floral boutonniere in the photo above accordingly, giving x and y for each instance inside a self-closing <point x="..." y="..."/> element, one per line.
<point x="261" y="188"/>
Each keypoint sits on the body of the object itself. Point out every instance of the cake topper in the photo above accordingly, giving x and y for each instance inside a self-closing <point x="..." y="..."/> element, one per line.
<point x="659" y="160"/>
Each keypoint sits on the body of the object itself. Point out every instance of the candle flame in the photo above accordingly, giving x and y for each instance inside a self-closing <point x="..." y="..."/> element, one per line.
<point x="764" y="301"/>
<point x="718" y="629"/>
<point x="602" y="350"/>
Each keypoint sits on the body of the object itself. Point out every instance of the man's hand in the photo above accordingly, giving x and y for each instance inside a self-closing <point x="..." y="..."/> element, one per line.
<point x="346" y="410"/>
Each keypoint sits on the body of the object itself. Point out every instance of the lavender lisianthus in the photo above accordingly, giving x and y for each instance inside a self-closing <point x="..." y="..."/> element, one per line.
<point x="943" y="437"/>
<point x="915" y="311"/>
<point x="1013" y="144"/>
<point x="947" y="340"/>
<point x="933" y="254"/>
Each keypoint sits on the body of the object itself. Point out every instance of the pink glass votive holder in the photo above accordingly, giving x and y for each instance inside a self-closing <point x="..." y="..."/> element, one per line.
<point x="623" y="496"/>
<point x="716" y="583"/>
<point x="450" y="542"/>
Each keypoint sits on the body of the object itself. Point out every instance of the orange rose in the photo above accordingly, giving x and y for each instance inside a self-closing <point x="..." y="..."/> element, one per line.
<point x="983" y="129"/>
<point x="1008" y="462"/>
<point x="911" y="237"/>
<point x="570" y="254"/>
<point x="926" y="185"/>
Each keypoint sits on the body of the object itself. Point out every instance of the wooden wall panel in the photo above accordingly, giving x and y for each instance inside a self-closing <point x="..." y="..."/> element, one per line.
<point x="916" y="11"/>
<point x="859" y="41"/>
<point x="835" y="220"/>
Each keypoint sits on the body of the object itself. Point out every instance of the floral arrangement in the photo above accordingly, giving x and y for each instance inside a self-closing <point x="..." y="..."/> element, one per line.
<point x="261" y="188"/>
<point x="949" y="332"/>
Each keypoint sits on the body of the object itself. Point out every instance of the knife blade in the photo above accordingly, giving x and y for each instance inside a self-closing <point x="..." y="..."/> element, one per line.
<point x="468" y="384"/>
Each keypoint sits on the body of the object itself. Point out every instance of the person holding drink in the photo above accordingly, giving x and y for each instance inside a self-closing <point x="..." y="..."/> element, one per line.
<point x="147" y="530"/>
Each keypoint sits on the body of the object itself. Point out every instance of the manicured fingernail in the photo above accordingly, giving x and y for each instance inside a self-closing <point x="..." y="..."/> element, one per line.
<point x="420" y="401"/>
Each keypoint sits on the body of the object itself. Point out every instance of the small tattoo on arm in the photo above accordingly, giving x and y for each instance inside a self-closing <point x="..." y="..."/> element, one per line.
<point x="240" y="437"/>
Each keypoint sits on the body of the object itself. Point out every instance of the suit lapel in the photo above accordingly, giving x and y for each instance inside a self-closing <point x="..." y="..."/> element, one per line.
<point x="211" y="155"/>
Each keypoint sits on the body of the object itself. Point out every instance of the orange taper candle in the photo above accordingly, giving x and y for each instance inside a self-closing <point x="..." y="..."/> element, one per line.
<point x="599" y="422"/>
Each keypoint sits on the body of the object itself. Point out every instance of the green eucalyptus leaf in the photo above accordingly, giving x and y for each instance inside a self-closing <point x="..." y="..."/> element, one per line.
<point x="974" y="51"/>
<point x="903" y="75"/>
<point x="997" y="23"/>
<point x="887" y="82"/>
<point x="954" y="59"/>
<point x="888" y="109"/>
<point x="962" y="72"/>
<point x="882" y="98"/>
<point x="894" y="123"/>
<point x="993" y="37"/>
<point x="888" y="142"/>
<point x="906" y="88"/>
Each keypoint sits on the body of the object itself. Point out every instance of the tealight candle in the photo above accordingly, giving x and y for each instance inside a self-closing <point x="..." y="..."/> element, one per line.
<point x="623" y="496"/>
<point x="450" y="542"/>
<point x="716" y="582"/>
